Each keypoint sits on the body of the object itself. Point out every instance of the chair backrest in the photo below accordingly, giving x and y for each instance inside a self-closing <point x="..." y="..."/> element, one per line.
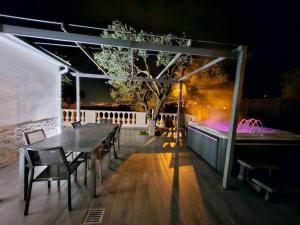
<point x="114" y="131"/>
<point x="118" y="130"/>
<point x="111" y="135"/>
<point x="46" y="157"/>
<point x="34" y="136"/>
<point x="76" y="124"/>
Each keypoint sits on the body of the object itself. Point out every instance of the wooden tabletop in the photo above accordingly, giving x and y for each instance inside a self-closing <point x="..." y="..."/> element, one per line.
<point x="84" y="139"/>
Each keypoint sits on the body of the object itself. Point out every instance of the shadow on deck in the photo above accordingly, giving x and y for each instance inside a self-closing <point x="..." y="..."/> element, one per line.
<point x="152" y="182"/>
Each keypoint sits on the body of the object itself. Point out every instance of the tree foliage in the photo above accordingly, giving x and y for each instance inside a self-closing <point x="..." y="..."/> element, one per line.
<point x="291" y="84"/>
<point x="124" y="62"/>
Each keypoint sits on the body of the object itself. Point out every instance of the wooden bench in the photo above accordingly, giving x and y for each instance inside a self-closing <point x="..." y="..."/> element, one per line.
<point x="250" y="164"/>
<point x="276" y="185"/>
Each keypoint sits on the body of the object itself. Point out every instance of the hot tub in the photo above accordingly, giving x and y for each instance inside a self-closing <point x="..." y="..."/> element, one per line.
<point x="210" y="143"/>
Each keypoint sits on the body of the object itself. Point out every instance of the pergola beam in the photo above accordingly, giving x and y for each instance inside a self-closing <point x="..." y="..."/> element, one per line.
<point x="96" y="40"/>
<point x="52" y="55"/>
<point x="121" y="78"/>
<point x="82" y="48"/>
<point x="213" y="62"/>
<point x="172" y="61"/>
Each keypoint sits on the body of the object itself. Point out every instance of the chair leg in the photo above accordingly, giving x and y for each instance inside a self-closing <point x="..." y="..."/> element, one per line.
<point x="75" y="175"/>
<point x="100" y="170"/>
<point x="69" y="193"/>
<point x="58" y="181"/>
<point x="109" y="158"/>
<point x="115" y="153"/>
<point x="85" y="170"/>
<point x="28" y="195"/>
<point x="119" y="143"/>
<point x="49" y="184"/>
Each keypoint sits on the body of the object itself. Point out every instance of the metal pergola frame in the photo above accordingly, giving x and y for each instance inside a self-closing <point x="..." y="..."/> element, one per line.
<point x="239" y="53"/>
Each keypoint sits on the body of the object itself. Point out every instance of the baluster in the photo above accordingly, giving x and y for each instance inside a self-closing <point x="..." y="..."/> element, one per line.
<point x="63" y="116"/>
<point x="67" y="117"/>
<point x="119" y="121"/>
<point x="122" y="119"/>
<point x="134" y="116"/>
<point x="71" y="116"/>
<point x="100" y="116"/>
<point x="126" y="118"/>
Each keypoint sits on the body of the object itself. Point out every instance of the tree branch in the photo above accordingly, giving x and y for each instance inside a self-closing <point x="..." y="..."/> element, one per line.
<point x="150" y="76"/>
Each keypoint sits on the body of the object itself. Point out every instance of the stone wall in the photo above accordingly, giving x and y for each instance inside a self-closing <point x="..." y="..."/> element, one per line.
<point x="11" y="138"/>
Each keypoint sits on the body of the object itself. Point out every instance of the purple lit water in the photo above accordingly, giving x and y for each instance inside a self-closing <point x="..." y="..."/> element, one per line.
<point x="224" y="127"/>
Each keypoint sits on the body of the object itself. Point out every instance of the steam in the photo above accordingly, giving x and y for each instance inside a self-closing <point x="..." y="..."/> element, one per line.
<point x="207" y="95"/>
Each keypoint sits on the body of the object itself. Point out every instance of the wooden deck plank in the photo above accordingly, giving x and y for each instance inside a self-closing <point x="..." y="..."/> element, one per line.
<point x="149" y="184"/>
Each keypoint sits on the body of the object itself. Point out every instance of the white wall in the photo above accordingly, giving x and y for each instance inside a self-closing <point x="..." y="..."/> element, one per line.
<point x="29" y="83"/>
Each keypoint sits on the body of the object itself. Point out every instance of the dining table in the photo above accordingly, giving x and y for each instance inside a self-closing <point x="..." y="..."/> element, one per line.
<point x="88" y="138"/>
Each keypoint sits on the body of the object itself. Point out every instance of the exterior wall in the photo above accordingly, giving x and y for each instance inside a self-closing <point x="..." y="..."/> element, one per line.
<point x="29" y="94"/>
<point x="28" y="85"/>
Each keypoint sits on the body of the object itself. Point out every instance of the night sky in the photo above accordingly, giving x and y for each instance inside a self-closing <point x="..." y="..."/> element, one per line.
<point x="270" y="29"/>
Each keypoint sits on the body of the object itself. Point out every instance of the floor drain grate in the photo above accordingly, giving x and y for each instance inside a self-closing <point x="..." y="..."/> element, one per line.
<point x="94" y="216"/>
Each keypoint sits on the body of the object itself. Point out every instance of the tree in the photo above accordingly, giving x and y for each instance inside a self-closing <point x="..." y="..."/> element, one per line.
<point x="124" y="62"/>
<point x="291" y="84"/>
<point x="290" y="103"/>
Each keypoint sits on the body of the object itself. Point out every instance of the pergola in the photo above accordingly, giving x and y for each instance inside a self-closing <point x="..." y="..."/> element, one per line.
<point x="216" y="50"/>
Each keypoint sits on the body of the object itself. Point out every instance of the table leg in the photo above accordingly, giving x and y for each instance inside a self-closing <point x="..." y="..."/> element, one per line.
<point x="241" y="175"/>
<point x="93" y="173"/>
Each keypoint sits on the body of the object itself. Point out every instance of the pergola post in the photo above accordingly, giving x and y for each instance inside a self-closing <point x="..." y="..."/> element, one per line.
<point x="179" y="112"/>
<point x="63" y="70"/>
<point x="237" y="95"/>
<point x="78" y="98"/>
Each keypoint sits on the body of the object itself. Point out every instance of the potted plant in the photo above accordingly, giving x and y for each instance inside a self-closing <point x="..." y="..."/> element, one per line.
<point x="151" y="126"/>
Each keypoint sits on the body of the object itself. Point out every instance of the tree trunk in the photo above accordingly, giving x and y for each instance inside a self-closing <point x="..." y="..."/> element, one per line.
<point x="146" y="108"/>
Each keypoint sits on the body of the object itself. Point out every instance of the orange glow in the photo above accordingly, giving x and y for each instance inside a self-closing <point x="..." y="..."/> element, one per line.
<point x="211" y="103"/>
<point x="207" y="95"/>
<point x="175" y="91"/>
<point x="169" y="144"/>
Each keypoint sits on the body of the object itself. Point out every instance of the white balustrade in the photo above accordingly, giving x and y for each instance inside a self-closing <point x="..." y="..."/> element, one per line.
<point x="127" y="119"/>
<point x="162" y="116"/>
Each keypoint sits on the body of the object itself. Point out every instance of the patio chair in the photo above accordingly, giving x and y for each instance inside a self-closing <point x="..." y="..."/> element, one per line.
<point x="105" y="149"/>
<point x="76" y="124"/>
<point x="117" y="136"/>
<point x="33" y="137"/>
<point x="38" y="135"/>
<point x="112" y="139"/>
<point x="57" y="168"/>
<point x="81" y="156"/>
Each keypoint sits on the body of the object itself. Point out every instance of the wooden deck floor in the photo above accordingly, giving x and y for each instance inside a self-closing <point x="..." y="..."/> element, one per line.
<point x="152" y="183"/>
